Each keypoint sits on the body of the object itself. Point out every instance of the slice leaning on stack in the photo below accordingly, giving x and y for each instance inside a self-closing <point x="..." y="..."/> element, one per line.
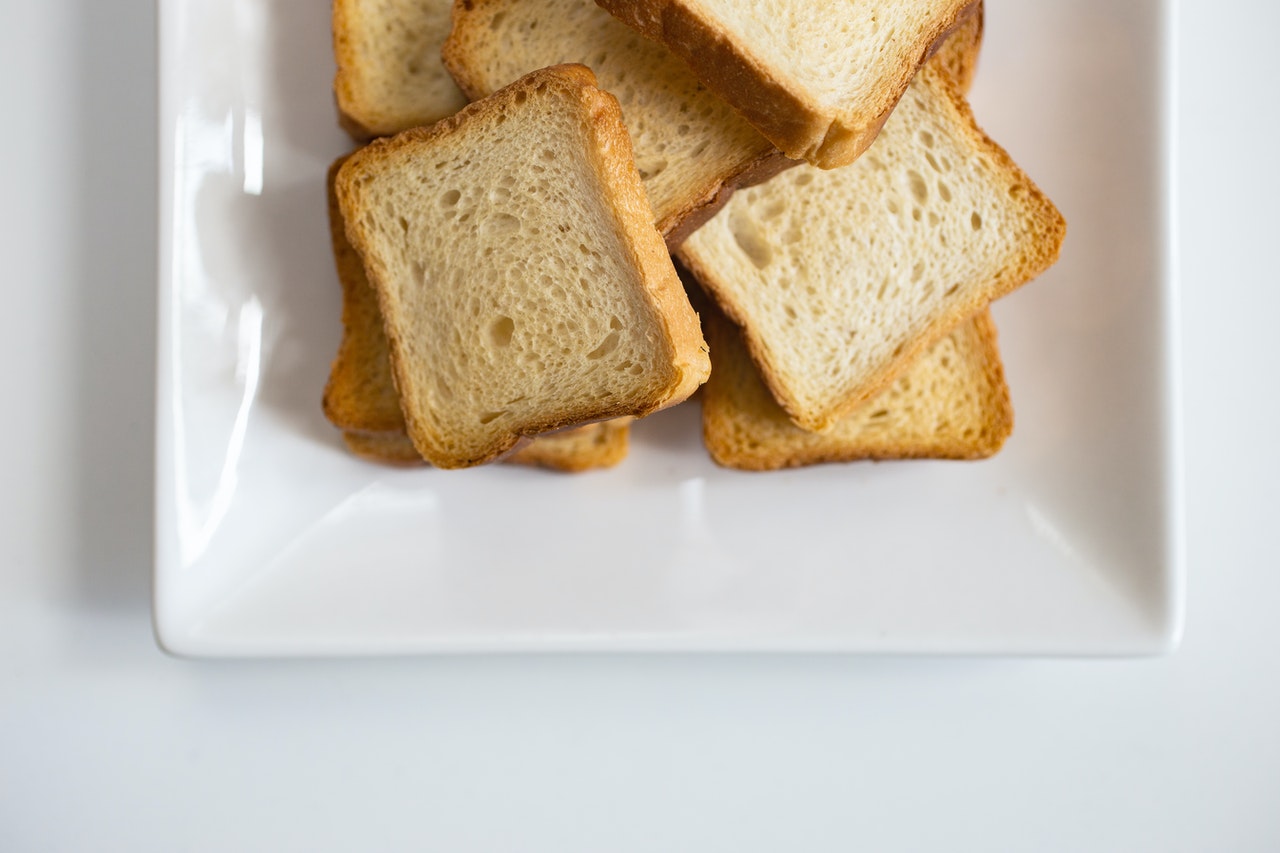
<point x="691" y="148"/>
<point x="817" y="78"/>
<point x="527" y="289"/>
<point x="839" y="279"/>
<point x="360" y="397"/>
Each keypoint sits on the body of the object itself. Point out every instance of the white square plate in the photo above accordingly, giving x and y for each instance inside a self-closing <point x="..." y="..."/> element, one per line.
<point x="272" y="540"/>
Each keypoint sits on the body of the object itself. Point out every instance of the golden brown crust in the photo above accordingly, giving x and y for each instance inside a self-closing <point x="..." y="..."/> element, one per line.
<point x="744" y="428"/>
<point x="958" y="53"/>
<point x="615" y="161"/>
<point x="347" y="78"/>
<point x="612" y="159"/>
<point x="344" y="55"/>
<point x="789" y="118"/>
<point x="359" y="395"/>
<point x="460" y="46"/>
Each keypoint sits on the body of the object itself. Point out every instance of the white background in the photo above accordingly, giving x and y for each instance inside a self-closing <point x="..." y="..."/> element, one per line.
<point x="105" y="744"/>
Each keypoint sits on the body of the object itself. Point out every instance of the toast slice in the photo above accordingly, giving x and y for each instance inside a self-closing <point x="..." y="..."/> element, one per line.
<point x="839" y="279"/>
<point x="690" y="146"/>
<point x="953" y="403"/>
<point x="360" y="397"/>
<point x="389" y="75"/>
<point x="817" y="78"/>
<point x="521" y="281"/>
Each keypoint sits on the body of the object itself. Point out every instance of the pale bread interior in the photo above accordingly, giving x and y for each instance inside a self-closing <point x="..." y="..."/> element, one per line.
<point x="687" y="141"/>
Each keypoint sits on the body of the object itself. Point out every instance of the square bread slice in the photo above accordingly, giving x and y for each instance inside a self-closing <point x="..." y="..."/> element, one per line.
<point x="840" y="278"/>
<point x="953" y="403"/>
<point x="360" y="397"/>
<point x="690" y="146"/>
<point x="817" y="77"/>
<point x="521" y="281"/>
<point x="390" y="77"/>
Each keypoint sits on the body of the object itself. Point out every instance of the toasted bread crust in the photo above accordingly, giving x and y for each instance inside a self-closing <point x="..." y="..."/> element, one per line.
<point x="744" y="428"/>
<point x="958" y="53"/>
<point x="359" y="395"/>
<point x="791" y="119"/>
<point x="682" y="330"/>
<point x="611" y="157"/>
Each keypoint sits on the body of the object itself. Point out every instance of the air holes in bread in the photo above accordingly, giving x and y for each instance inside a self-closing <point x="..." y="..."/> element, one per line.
<point x="651" y="168"/>
<point x="919" y="190"/>
<point x="750" y="238"/>
<point x="607" y="346"/>
<point x="500" y="224"/>
<point x="501" y="331"/>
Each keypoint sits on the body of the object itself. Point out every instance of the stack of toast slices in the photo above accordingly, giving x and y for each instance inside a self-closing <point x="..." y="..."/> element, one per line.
<point x="509" y="266"/>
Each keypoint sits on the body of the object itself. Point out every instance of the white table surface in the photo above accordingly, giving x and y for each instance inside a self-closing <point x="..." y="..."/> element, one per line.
<point x="106" y="744"/>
